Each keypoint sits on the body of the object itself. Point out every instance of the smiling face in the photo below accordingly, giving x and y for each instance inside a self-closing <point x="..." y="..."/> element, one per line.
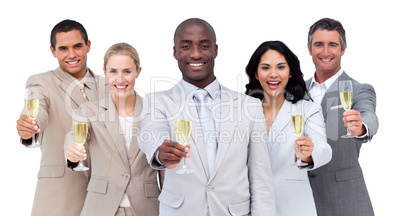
<point x="273" y="73"/>
<point x="326" y="52"/>
<point x="195" y="51"/>
<point x="121" y="72"/>
<point x="71" y="53"/>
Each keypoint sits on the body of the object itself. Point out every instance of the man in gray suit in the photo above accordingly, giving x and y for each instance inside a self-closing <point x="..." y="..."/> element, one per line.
<point x="338" y="187"/>
<point x="59" y="191"/>
<point x="230" y="158"/>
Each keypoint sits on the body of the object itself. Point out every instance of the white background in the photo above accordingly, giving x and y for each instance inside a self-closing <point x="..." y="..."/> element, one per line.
<point x="372" y="56"/>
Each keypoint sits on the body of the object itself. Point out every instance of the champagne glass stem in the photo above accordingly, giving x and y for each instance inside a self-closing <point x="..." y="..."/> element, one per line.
<point x="80" y="164"/>
<point x="298" y="156"/>
<point x="299" y="162"/>
<point x="34" y="143"/>
<point x="348" y="132"/>
<point x="33" y="139"/>
<point x="184" y="163"/>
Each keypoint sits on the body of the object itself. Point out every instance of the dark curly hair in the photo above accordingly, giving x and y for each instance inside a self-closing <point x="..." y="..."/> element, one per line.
<point x="295" y="89"/>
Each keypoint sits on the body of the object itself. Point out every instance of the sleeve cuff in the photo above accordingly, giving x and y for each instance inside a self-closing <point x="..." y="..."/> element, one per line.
<point x="155" y="162"/>
<point x="366" y="134"/>
<point x="28" y="142"/>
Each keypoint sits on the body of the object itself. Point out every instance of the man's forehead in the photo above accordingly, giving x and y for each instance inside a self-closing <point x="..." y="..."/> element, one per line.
<point x="325" y="35"/>
<point x="194" y="32"/>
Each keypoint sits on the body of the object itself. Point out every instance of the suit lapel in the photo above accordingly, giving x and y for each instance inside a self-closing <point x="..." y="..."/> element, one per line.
<point x="187" y="109"/>
<point x="111" y="120"/>
<point x="69" y="87"/>
<point x="281" y="121"/>
<point x="134" y="149"/>
<point x="331" y="96"/>
<point x="229" y="109"/>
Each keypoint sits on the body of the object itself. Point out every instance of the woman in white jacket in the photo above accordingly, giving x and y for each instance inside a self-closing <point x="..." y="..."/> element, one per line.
<point x="275" y="78"/>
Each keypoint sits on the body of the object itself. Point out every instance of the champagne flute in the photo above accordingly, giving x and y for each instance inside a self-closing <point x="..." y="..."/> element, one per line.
<point x="182" y="129"/>
<point x="346" y="96"/>
<point x="80" y="130"/>
<point x="32" y="106"/>
<point x="297" y="121"/>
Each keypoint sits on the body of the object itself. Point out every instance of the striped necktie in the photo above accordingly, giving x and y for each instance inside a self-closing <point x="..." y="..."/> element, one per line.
<point x="208" y="125"/>
<point x="81" y="85"/>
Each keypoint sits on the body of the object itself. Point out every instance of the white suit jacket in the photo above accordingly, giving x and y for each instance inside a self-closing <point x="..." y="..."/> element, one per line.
<point x="241" y="181"/>
<point x="293" y="193"/>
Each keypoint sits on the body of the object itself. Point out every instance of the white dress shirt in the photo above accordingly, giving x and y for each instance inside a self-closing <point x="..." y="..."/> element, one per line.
<point x="126" y="125"/>
<point x="317" y="91"/>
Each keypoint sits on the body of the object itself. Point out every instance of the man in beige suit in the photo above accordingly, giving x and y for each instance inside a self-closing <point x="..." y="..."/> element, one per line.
<point x="58" y="191"/>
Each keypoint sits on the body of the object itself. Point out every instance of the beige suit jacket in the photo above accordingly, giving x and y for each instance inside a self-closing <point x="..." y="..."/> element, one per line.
<point x="113" y="170"/>
<point x="58" y="192"/>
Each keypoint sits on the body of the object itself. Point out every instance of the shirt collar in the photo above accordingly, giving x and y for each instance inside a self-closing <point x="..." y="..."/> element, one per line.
<point x="327" y="82"/>
<point x="213" y="88"/>
<point x="88" y="76"/>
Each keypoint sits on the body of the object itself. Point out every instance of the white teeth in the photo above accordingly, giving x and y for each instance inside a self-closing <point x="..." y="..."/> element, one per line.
<point x="195" y="64"/>
<point x="120" y="87"/>
<point x="273" y="83"/>
<point x="326" y="60"/>
<point x="74" y="62"/>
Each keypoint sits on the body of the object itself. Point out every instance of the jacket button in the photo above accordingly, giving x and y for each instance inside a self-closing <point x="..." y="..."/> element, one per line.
<point x="209" y="188"/>
<point x="126" y="176"/>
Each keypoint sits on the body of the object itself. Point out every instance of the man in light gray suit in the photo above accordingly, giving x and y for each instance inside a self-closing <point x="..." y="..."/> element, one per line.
<point x="59" y="191"/>
<point x="338" y="187"/>
<point x="230" y="158"/>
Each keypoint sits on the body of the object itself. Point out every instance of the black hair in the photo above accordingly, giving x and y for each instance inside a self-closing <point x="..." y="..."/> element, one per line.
<point x="66" y="26"/>
<point x="295" y="89"/>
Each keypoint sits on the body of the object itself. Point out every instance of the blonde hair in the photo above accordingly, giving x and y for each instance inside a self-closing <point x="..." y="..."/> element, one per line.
<point x="122" y="49"/>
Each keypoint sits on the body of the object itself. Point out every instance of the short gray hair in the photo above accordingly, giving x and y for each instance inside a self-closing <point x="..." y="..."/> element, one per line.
<point x="329" y="25"/>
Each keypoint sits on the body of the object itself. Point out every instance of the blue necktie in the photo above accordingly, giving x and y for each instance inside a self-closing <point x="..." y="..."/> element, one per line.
<point x="208" y="125"/>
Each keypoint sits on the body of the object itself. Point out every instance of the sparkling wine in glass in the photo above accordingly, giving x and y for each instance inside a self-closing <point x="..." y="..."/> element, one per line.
<point x="346" y="96"/>
<point x="297" y="121"/>
<point x="182" y="129"/>
<point x="80" y="130"/>
<point x="32" y="106"/>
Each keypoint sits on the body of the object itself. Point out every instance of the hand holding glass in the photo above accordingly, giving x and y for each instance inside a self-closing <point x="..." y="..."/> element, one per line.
<point x="32" y="106"/>
<point x="346" y="96"/>
<point x="182" y="129"/>
<point x="297" y="121"/>
<point x="80" y="130"/>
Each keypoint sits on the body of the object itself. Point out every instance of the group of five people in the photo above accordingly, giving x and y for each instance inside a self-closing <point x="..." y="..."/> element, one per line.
<point x="240" y="152"/>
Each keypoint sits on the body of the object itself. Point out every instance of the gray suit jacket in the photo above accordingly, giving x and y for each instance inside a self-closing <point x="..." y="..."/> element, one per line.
<point x="338" y="187"/>
<point x="113" y="170"/>
<point x="58" y="191"/>
<point x="241" y="181"/>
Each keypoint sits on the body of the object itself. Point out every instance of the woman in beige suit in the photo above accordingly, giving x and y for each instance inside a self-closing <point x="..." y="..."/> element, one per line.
<point x="121" y="181"/>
